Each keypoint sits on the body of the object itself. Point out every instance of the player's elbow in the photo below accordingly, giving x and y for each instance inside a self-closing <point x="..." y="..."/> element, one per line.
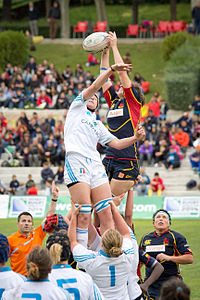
<point x="190" y="259"/>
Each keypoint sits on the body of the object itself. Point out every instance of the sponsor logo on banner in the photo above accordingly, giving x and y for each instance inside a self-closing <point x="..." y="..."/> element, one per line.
<point x="156" y="248"/>
<point x="115" y="113"/>
<point x="4" y="199"/>
<point x="34" y="204"/>
<point x="183" y="207"/>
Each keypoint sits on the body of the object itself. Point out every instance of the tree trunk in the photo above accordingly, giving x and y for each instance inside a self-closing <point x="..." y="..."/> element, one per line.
<point x="101" y="10"/>
<point x="65" y="22"/>
<point x="173" y="9"/>
<point x="48" y="6"/>
<point x="6" y="10"/>
<point x="135" y="11"/>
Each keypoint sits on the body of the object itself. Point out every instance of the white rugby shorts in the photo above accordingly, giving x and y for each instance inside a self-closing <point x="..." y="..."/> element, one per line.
<point x="84" y="169"/>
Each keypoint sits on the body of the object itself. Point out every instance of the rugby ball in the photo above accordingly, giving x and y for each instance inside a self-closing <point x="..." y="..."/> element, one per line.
<point x="95" y="42"/>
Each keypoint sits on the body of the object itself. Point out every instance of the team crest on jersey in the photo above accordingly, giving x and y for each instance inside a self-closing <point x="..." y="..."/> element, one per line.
<point x="121" y="105"/>
<point x="104" y="175"/>
<point x="121" y="175"/>
<point x="166" y="242"/>
<point x="82" y="171"/>
<point x="147" y="242"/>
<point x="128" y="176"/>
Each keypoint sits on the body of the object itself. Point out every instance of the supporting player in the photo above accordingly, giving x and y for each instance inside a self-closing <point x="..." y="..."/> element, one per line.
<point x="8" y="278"/>
<point x="123" y="118"/>
<point x="111" y="266"/>
<point x="37" y="286"/>
<point x="77" y="283"/>
<point x="84" y="172"/>
<point x="167" y="246"/>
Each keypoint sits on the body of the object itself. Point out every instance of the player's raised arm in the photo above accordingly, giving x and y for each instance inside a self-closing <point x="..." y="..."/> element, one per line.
<point x="55" y="192"/>
<point x="98" y="83"/>
<point x="123" y="76"/>
<point x="104" y="66"/>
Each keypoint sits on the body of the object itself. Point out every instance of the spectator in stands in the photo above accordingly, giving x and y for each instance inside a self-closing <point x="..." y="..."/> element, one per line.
<point x="43" y="101"/>
<point x="152" y="135"/>
<point x="196" y="131"/>
<point x="146" y="152"/>
<point x="172" y="159"/>
<point x="46" y="173"/>
<point x="154" y="104"/>
<point x="138" y="78"/>
<point x="36" y="151"/>
<point x="45" y="127"/>
<point x="196" y="104"/>
<point x="2" y="98"/>
<point x="163" y="110"/>
<point x="59" y="176"/>
<point x="50" y="152"/>
<point x="48" y="184"/>
<point x="142" y="186"/>
<point x="92" y="60"/>
<point x="32" y="190"/>
<point x="31" y="64"/>
<point x="29" y="182"/>
<point x="67" y="73"/>
<point x="161" y="150"/>
<point x="164" y="133"/>
<point x="156" y="185"/>
<point x="33" y="17"/>
<point x="182" y="139"/>
<point x="196" y="18"/>
<point x="176" y="148"/>
<point x="3" y="188"/>
<point x="62" y="101"/>
<point x="184" y="117"/>
<point x="195" y="159"/>
<point x="18" y="100"/>
<point x="53" y="19"/>
<point x="14" y="185"/>
<point x="150" y="121"/>
<point x="174" y="289"/>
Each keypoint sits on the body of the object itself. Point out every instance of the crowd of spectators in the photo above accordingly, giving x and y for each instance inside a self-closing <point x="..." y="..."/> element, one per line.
<point x="41" y="85"/>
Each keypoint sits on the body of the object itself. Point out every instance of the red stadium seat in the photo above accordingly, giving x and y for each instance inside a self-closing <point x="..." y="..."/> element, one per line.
<point x="178" y="26"/>
<point x="100" y="26"/>
<point x="164" y="28"/>
<point x="80" y="28"/>
<point x="132" y="30"/>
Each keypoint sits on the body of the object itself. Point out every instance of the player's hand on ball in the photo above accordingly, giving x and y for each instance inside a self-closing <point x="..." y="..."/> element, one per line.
<point x="55" y="191"/>
<point x="121" y="67"/>
<point x="140" y="133"/>
<point x="112" y="38"/>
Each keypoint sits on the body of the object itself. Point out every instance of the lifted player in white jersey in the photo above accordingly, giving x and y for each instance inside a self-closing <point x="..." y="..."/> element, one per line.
<point x="111" y="266"/>
<point x="8" y="278"/>
<point x="37" y="286"/>
<point x="77" y="283"/>
<point x="84" y="174"/>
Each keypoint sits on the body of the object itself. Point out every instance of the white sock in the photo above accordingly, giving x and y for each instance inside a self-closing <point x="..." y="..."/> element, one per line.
<point x="82" y="236"/>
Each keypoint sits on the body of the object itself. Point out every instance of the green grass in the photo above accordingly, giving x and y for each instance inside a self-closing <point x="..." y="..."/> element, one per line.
<point x="146" y="59"/>
<point x="189" y="228"/>
<point x="155" y="12"/>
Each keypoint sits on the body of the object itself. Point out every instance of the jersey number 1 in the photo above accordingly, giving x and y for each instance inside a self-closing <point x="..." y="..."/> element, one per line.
<point x="112" y="275"/>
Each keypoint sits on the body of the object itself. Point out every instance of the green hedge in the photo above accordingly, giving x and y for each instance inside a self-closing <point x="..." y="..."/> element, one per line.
<point x="14" y="48"/>
<point x="172" y="42"/>
<point x="182" y="75"/>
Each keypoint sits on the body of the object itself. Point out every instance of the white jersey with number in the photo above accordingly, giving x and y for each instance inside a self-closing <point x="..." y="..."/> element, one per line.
<point x="37" y="290"/>
<point x="109" y="273"/>
<point x="9" y="279"/>
<point x="134" y="290"/>
<point x="79" y="284"/>
<point x="82" y="131"/>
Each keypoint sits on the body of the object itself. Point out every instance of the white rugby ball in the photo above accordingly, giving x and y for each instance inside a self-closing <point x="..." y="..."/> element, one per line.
<point x="95" y="42"/>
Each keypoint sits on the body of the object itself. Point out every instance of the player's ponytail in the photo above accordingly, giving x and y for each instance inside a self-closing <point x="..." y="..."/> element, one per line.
<point x="112" y="243"/>
<point x="33" y="271"/>
<point x="55" y="253"/>
<point x="38" y="264"/>
<point x="174" y="289"/>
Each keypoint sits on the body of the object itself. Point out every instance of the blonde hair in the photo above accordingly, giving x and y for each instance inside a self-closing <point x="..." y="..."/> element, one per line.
<point x="112" y="243"/>
<point x="55" y="253"/>
<point x="38" y="264"/>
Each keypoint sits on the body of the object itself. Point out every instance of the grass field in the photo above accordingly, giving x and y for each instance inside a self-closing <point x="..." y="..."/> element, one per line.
<point x="189" y="228"/>
<point x="146" y="59"/>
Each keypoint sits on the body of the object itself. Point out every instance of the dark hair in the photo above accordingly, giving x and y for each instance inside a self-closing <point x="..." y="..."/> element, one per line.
<point x="174" y="289"/>
<point x="160" y="210"/>
<point x="4" y="248"/>
<point x="138" y="89"/>
<point x="25" y="213"/>
<point x="39" y="264"/>
<point x="59" y="246"/>
<point x="156" y="174"/>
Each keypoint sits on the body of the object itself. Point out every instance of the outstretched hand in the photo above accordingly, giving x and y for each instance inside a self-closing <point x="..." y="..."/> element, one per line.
<point x="140" y="133"/>
<point x="122" y="67"/>
<point x="55" y="190"/>
<point x="74" y="209"/>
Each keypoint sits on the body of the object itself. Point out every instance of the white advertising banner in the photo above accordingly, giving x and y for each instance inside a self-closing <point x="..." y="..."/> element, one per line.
<point x="4" y="199"/>
<point x="33" y="204"/>
<point x="183" y="207"/>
